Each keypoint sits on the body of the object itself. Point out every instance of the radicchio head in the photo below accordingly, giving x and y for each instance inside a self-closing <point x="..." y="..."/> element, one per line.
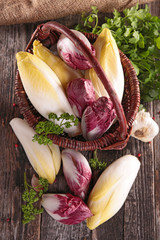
<point x="70" y="54"/>
<point x="80" y="93"/>
<point x="66" y="208"/>
<point x="97" y="118"/>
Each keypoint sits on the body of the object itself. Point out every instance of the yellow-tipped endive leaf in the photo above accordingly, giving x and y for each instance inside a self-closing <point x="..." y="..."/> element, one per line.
<point x="108" y="56"/>
<point x="56" y="155"/>
<point x="62" y="70"/>
<point x="40" y="156"/>
<point x="111" y="189"/>
<point x="43" y="87"/>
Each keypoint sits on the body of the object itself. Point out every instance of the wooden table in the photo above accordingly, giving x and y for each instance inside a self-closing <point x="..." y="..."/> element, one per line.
<point x="138" y="219"/>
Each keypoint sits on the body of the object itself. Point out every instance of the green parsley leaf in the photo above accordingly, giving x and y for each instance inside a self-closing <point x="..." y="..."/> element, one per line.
<point x="43" y="128"/>
<point x="95" y="163"/>
<point x="137" y="34"/>
<point x="30" y="197"/>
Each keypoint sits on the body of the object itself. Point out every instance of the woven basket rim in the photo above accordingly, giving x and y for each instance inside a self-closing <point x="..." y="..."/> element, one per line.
<point x="110" y="140"/>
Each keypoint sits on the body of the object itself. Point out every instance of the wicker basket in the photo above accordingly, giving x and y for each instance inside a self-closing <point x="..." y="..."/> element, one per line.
<point x="112" y="139"/>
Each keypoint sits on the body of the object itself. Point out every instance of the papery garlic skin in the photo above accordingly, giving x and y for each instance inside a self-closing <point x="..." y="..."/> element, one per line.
<point x="70" y="54"/>
<point x="61" y="69"/>
<point x="107" y="54"/>
<point x="43" y="88"/>
<point x="40" y="156"/>
<point x="65" y="208"/>
<point x="80" y="94"/>
<point x="144" y="127"/>
<point x="111" y="190"/>
<point x="77" y="172"/>
<point x="97" y="118"/>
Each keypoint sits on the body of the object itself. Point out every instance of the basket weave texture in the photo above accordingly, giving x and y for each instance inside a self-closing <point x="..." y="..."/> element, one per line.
<point x="112" y="138"/>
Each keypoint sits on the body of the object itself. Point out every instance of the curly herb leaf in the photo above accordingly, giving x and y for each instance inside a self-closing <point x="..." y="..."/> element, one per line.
<point x="30" y="196"/>
<point x="44" y="128"/>
<point x="95" y="163"/>
<point x="137" y="34"/>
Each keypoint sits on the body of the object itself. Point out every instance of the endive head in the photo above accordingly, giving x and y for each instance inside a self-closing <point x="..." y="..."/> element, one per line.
<point x="111" y="189"/>
<point x="65" y="208"/>
<point x="80" y="94"/>
<point x="97" y="118"/>
<point x="107" y="54"/>
<point x="46" y="162"/>
<point x="43" y="88"/>
<point x="70" y="54"/>
<point x="77" y="172"/>
<point x="61" y="69"/>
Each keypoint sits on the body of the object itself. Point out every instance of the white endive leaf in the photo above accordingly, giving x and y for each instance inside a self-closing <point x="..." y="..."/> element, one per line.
<point x="108" y="56"/>
<point x="40" y="156"/>
<point x="111" y="189"/>
<point x="43" y="87"/>
<point x="56" y="155"/>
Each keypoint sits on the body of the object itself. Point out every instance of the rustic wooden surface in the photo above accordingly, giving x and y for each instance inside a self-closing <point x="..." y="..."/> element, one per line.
<point x="138" y="219"/>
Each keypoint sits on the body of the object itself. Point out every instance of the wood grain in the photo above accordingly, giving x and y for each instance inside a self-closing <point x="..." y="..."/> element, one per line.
<point x="138" y="219"/>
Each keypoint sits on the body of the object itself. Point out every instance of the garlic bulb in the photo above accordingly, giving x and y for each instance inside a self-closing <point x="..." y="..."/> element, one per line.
<point x="144" y="127"/>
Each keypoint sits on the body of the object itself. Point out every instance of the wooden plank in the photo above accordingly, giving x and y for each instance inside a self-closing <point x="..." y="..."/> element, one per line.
<point x="13" y="160"/>
<point x="139" y="218"/>
<point x="156" y="148"/>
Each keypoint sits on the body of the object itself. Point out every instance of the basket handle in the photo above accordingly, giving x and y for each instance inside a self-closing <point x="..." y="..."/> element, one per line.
<point x="98" y="69"/>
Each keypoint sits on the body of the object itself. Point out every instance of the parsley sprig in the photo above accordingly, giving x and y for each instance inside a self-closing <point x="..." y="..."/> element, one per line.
<point x="137" y="34"/>
<point x="30" y="197"/>
<point x="95" y="163"/>
<point x="90" y="22"/>
<point x="43" y="128"/>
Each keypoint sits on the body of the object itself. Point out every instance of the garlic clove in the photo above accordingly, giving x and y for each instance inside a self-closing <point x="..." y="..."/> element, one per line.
<point x="77" y="172"/>
<point x="39" y="156"/>
<point x="70" y="54"/>
<point x="80" y="94"/>
<point x="43" y="88"/>
<point x="97" y="118"/>
<point x="61" y="69"/>
<point x="144" y="127"/>
<point x="107" y="54"/>
<point x="65" y="208"/>
<point x="111" y="189"/>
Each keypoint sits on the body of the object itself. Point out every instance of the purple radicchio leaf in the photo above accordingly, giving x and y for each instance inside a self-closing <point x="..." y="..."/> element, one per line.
<point x="80" y="93"/>
<point x="77" y="172"/>
<point x="97" y="118"/>
<point x="66" y="208"/>
<point x="71" y="55"/>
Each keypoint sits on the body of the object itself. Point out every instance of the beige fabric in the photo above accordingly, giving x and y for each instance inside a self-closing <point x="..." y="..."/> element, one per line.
<point x="23" y="11"/>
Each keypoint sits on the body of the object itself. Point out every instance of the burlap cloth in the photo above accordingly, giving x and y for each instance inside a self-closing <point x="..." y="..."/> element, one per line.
<point x="23" y="11"/>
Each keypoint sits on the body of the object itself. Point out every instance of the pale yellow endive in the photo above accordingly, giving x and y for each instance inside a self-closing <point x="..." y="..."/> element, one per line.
<point x="56" y="155"/>
<point x="111" y="189"/>
<point x="43" y="87"/>
<point x="45" y="160"/>
<point x="62" y="70"/>
<point x="107" y="54"/>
